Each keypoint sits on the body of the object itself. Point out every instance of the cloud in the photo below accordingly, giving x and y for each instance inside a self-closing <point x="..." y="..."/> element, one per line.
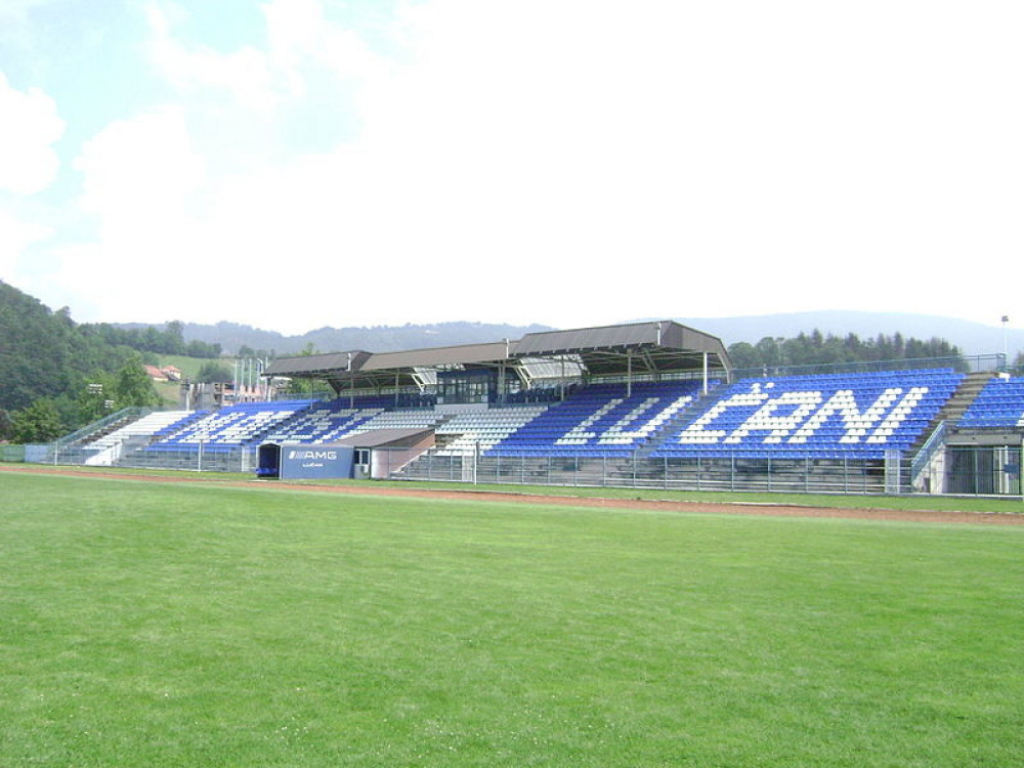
<point x="142" y="183"/>
<point x="141" y="171"/>
<point x="16" y="236"/>
<point x="191" y="68"/>
<point x="28" y="129"/>
<point x="28" y="165"/>
<point x="567" y="163"/>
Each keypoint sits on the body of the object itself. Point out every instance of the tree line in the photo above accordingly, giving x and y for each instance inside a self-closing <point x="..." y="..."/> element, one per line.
<point x="168" y="341"/>
<point x="815" y="352"/>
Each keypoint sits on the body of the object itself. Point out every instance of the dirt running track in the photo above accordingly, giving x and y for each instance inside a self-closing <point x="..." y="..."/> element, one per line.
<point x="735" y="508"/>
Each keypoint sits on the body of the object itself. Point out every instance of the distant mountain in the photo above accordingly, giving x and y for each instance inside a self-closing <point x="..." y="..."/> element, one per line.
<point x="972" y="338"/>
<point x="232" y="336"/>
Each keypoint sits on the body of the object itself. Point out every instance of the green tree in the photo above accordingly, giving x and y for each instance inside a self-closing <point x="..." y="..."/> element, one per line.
<point x="38" y="423"/>
<point x="771" y="352"/>
<point x="743" y="355"/>
<point x="38" y="354"/>
<point x="817" y="353"/>
<point x="94" y="399"/>
<point x="133" y="387"/>
<point x="1018" y="364"/>
<point x="175" y="338"/>
<point x="196" y="348"/>
<point x="214" y="373"/>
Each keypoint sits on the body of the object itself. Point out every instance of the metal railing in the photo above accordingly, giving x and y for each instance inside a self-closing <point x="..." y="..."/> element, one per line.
<point x="965" y="364"/>
<point x="824" y="476"/>
<point x="200" y="458"/>
<point x="89" y="431"/>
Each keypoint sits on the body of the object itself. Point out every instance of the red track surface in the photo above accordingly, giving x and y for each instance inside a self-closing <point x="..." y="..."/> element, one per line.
<point x="463" y="494"/>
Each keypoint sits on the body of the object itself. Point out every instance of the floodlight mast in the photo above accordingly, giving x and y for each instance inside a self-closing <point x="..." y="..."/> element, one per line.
<point x="1006" y="359"/>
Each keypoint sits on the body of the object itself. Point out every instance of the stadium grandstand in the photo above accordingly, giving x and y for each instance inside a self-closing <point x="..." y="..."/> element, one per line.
<point x="651" y="404"/>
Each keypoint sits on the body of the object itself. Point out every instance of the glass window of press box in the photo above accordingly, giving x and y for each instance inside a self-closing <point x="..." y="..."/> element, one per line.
<point x="478" y="385"/>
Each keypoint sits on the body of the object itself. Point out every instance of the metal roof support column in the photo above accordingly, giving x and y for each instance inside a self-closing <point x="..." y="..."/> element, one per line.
<point x="352" y="383"/>
<point x="396" y="388"/>
<point x="503" y="373"/>
<point x="705" y="356"/>
<point x="629" y="373"/>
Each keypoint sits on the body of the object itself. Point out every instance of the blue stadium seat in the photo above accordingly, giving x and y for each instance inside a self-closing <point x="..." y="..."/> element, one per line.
<point x="230" y="427"/>
<point x="1000" y="405"/>
<point x="600" y="421"/>
<point x="828" y="416"/>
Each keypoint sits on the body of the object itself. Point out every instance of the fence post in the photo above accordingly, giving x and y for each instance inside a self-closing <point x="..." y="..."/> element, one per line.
<point x="1020" y="469"/>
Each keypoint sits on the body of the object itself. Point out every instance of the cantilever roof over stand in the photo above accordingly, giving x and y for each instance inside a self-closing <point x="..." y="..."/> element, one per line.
<point x="648" y="348"/>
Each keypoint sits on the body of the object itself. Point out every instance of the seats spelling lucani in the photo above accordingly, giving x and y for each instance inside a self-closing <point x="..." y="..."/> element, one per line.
<point x="600" y="420"/>
<point x="825" y="417"/>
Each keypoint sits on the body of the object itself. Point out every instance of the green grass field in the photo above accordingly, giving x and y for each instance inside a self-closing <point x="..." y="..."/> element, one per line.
<point x="164" y="624"/>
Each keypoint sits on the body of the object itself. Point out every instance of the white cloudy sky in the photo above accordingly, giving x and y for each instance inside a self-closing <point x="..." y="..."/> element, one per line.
<point x="300" y="163"/>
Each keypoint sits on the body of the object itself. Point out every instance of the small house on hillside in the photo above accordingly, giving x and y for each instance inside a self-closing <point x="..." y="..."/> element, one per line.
<point x="155" y="373"/>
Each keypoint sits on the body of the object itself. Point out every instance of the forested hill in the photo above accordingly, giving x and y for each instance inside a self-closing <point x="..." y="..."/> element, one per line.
<point x="56" y="376"/>
<point x="44" y="353"/>
<point x="234" y="338"/>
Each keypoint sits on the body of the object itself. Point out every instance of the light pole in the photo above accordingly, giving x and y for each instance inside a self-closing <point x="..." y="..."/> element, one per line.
<point x="1006" y="360"/>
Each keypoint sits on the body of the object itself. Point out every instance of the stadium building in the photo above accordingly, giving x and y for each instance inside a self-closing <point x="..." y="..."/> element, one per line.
<point x="643" y="405"/>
